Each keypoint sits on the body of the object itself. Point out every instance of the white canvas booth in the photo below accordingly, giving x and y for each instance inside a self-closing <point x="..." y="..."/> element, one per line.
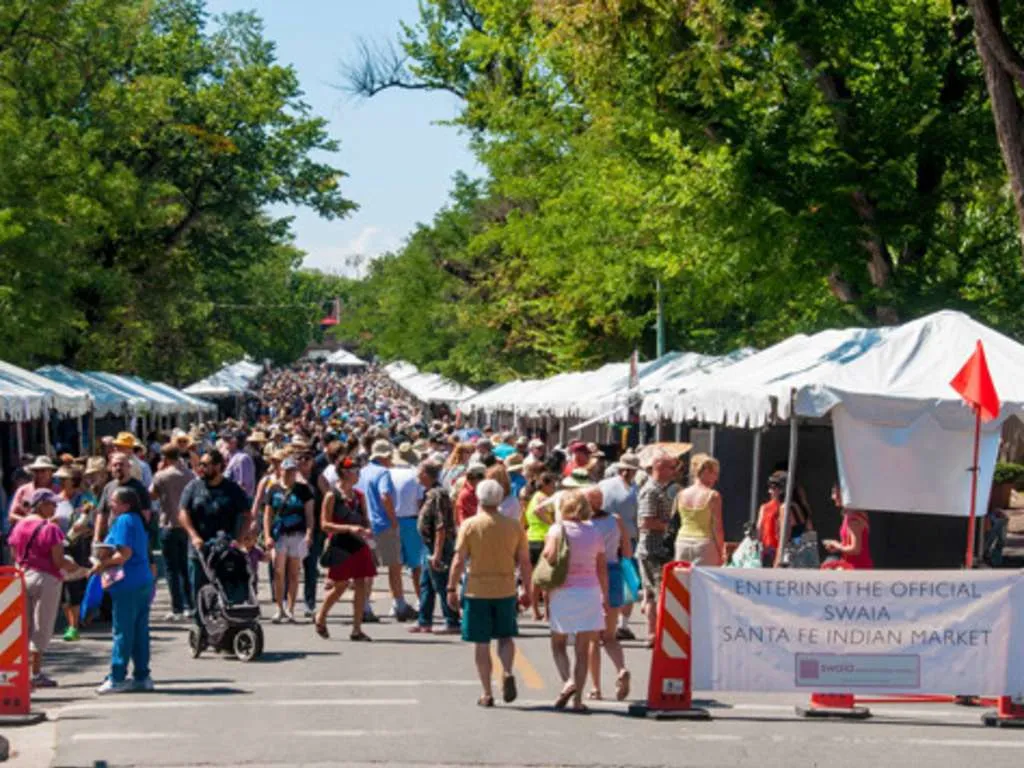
<point x="428" y="388"/>
<point x="584" y="402"/>
<point x="903" y="437"/>
<point x="55" y="400"/>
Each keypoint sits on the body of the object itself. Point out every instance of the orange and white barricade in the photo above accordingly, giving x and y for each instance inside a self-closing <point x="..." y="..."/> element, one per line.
<point x="670" y="690"/>
<point x="15" y="669"/>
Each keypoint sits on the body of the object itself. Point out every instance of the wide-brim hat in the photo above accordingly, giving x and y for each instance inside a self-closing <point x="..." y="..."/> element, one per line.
<point x="628" y="461"/>
<point x="41" y="463"/>
<point x="258" y="437"/>
<point x="125" y="440"/>
<point x="67" y="472"/>
<point x="95" y="465"/>
<point x="381" y="449"/>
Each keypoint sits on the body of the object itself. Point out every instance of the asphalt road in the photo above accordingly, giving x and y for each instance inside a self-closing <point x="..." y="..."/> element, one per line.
<point x="410" y="700"/>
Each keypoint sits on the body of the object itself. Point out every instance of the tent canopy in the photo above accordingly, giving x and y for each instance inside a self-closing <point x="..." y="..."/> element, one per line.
<point x="234" y="379"/>
<point x="186" y="403"/>
<point x="427" y="387"/>
<point x="153" y="401"/>
<point x="343" y="357"/>
<point x="588" y="394"/>
<point x="67" y="401"/>
<point x="107" y="400"/>
<point x="20" y="404"/>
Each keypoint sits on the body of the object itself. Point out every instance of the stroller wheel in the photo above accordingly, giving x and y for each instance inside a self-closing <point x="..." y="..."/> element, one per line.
<point x="259" y="640"/>
<point x="196" y="641"/>
<point x="246" y="644"/>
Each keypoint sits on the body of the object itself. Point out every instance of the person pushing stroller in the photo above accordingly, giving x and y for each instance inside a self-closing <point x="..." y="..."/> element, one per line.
<point x="211" y="505"/>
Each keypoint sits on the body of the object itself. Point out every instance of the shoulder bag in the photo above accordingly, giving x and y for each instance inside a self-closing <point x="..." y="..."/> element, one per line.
<point x="549" y="575"/>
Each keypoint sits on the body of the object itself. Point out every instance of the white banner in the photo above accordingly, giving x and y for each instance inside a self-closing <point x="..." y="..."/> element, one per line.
<point x="934" y="632"/>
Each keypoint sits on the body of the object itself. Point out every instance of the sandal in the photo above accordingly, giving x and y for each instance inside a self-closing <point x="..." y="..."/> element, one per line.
<point x="563" y="698"/>
<point x="594" y="695"/>
<point x="622" y="685"/>
<point x="360" y="637"/>
<point x="508" y="689"/>
<point x="580" y="709"/>
<point x="485" y="701"/>
<point x="321" y="629"/>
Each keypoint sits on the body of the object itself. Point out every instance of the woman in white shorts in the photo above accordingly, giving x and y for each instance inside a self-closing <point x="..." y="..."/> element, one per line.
<point x="578" y="606"/>
<point x="288" y="531"/>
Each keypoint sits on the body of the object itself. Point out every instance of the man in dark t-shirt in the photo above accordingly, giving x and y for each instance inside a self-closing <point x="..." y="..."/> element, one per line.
<point x="211" y="504"/>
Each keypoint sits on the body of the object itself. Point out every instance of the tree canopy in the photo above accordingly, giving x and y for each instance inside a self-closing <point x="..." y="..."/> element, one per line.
<point x="141" y="144"/>
<point x="778" y="166"/>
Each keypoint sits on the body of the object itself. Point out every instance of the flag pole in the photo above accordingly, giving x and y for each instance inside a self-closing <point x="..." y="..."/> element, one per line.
<point x="969" y="560"/>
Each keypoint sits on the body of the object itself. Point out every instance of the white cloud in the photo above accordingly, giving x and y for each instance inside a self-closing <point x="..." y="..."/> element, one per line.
<point x="350" y="258"/>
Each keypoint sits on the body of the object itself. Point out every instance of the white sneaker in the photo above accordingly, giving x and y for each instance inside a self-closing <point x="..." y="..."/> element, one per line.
<point x="189" y="613"/>
<point x="308" y="613"/>
<point x="172" y="617"/>
<point x="145" y="686"/>
<point x="109" y="686"/>
<point x="278" y="616"/>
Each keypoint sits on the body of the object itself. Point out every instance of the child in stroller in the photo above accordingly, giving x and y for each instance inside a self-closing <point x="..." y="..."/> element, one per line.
<point x="226" y="608"/>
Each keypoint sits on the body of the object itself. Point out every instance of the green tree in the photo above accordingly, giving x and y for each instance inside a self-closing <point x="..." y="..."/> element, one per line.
<point x="141" y="146"/>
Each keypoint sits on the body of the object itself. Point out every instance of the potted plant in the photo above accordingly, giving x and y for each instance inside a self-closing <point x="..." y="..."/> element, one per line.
<point x="1006" y="478"/>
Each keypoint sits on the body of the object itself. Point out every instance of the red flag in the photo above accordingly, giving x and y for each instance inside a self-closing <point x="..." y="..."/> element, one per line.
<point x="974" y="383"/>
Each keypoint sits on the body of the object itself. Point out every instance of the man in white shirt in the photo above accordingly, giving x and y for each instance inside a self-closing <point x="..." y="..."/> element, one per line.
<point x="408" y="500"/>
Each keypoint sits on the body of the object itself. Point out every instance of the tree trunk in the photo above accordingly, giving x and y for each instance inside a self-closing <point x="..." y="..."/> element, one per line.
<point x="1003" y="66"/>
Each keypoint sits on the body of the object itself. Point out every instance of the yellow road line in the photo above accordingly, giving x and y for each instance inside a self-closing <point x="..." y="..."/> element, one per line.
<point x="531" y="677"/>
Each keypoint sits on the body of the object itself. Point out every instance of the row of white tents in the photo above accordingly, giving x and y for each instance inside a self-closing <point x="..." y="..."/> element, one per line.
<point x="429" y="388"/>
<point x="903" y="437"/>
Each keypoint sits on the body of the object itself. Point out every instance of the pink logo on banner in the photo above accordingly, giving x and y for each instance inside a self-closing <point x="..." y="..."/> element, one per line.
<point x="809" y="669"/>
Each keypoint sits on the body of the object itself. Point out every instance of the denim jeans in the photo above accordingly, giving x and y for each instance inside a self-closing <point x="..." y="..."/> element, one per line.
<point x="434" y="584"/>
<point x="131" y="633"/>
<point x="311" y="570"/>
<point x="197" y="577"/>
<point x="174" y="545"/>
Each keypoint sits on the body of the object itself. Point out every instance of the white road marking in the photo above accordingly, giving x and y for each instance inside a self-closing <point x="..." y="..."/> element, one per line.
<point x="356" y="734"/>
<point x="136" y="704"/>
<point x="350" y="684"/>
<point x="970" y="743"/>
<point x="77" y="737"/>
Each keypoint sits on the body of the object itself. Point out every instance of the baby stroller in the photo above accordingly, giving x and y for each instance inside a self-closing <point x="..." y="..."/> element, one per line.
<point x="226" y="607"/>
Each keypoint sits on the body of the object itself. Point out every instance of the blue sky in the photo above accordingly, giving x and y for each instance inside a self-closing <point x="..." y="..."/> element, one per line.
<point x="400" y="163"/>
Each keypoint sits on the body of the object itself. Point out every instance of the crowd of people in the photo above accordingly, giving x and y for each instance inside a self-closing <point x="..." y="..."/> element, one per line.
<point x="345" y="478"/>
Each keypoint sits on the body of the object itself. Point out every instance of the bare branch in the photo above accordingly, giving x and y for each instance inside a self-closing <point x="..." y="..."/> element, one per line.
<point x="381" y="66"/>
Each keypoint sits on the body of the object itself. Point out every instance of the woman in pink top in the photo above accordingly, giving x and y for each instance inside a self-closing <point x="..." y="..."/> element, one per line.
<point x="38" y="548"/>
<point x="578" y="606"/>
<point x="854" y="545"/>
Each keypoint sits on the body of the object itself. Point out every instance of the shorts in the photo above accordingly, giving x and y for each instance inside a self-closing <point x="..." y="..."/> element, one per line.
<point x="698" y="552"/>
<point x="485" y="619"/>
<point x="292" y="545"/>
<point x="389" y="548"/>
<point x="42" y="592"/>
<point x="74" y="592"/>
<point x="650" y="576"/>
<point x="412" y="543"/>
<point x="616" y="586"/>
<point x="536" y="547"/>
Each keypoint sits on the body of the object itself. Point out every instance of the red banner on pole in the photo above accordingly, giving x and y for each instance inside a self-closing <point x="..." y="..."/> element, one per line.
<point x="974" y="384"/>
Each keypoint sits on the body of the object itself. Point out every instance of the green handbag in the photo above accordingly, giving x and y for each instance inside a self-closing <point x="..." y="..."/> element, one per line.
<point x="548" y="576"/>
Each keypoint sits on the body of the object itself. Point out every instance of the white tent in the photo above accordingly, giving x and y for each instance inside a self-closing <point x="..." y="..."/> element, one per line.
<point x="903" y="435"/>
<point x="234" y="379"/>
<point x="346" y="359"/>
<point x="427" y="387"/>
<point x="589" y="394"/>
<point x="65" y="400"/>
<point x="20" y="404"/>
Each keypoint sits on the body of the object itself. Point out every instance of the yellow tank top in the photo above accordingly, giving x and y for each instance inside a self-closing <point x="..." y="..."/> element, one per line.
<point x="695" y="521"/>
<point x="536" y="529"/>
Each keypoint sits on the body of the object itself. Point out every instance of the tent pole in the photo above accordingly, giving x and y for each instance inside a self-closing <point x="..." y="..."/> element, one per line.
<point x="92" y="433"/>
<point x="971" y="531"/>
<point x="81" y="435"/>
<point x="561" y="430"/>
<point x="679" y="431"/>
<point x="794" y="432"/>
<point x="711" y="441"/>
<point x="755" y="476"/>
<point x="657" y="430"/>
<point x="47" y="448"/>
<point x="21" y="441"/>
